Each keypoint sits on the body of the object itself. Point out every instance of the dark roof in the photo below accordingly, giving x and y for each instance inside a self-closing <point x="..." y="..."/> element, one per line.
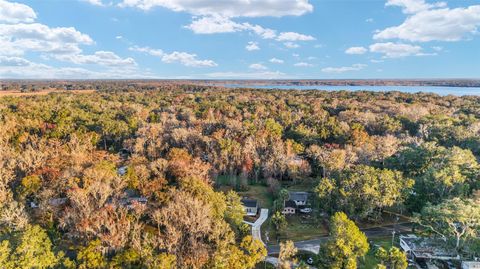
<point x="290" y="203"/>
<point x="298" y="196"/>
<point x="249" y="202"/>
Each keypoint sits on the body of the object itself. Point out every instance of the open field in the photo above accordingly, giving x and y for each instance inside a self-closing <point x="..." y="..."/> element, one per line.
<point x="45" y="92"/>
<point x="260" y="193"/>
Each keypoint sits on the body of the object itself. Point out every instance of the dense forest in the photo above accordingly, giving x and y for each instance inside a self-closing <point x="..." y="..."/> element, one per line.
<point x="127" y="178"/>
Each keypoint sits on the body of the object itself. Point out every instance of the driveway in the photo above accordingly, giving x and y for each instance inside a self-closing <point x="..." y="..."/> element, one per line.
<point x="256" y="227"/>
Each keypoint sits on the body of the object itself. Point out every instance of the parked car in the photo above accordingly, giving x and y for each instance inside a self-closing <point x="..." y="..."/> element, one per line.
<point x="306" y="210"/>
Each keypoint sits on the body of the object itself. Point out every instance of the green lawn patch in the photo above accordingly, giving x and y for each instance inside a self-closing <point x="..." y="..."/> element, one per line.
<point x="369" y="261"/>
<point x="260" y="193"/>
<point x="297" y="229"/>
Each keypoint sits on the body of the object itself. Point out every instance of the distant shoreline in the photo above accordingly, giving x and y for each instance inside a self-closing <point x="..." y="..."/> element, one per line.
<point x="279" y="82"/>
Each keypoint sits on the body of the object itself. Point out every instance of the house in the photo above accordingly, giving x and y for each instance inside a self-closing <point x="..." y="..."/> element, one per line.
<point x="300" y="198"/>
<point x="470" y="265"/>
<point x="289" y="207"/>
<point x="250" y="206"/>
<point x="422" y="248"/>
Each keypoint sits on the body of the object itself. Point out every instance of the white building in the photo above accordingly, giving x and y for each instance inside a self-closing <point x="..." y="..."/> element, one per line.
<point x="470" y="265"/>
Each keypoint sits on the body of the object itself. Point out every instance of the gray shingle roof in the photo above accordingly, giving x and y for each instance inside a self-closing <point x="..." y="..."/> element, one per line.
<point x="298" y="196"/>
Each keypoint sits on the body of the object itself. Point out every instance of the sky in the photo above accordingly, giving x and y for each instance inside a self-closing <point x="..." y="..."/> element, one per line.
<point x="239" y="39"/>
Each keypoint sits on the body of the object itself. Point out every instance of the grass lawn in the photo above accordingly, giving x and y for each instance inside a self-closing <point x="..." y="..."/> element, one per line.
<point x="308" y="185"/>
<point x="260" y="193"/>
<point x="369" y="262"/>
<point x="297" y="229"/>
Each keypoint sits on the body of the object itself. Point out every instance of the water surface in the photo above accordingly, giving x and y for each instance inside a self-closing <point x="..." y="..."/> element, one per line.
<point x="458" y="91"/>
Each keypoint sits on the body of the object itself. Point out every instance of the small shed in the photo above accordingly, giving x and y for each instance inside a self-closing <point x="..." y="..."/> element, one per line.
<point x="289" y="207"/>
<point x="250" y="206"/>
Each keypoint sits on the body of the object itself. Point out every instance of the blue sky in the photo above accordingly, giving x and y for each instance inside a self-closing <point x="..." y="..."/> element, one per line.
<point x="239" y="39"/>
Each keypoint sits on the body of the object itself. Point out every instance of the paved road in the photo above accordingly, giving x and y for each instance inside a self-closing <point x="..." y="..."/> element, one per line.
<point x="313" y="245"/>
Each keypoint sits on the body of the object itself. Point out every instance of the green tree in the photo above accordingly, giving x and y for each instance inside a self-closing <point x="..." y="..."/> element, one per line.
<point x="5" y="252"/>
<point x="346" y="244"/>
<point x="456" y="218"/>
<point x="283" y="195"/>
<point x="29" y="186"/>
<point x="32" y="249"/>
<point x="440" y="173"/>
<point x="234" y="212"/>
<point x="363" y="191"/>
<point x="128" y="258"/>
<point x="279" y="221"/>
<point x="394" y="258"/>
<point x="91" y="256"/>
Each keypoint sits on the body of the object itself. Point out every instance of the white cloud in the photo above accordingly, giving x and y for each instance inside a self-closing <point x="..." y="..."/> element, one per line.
<point x="21" y="35"/>
<point x="276" y="61"/>
<point x="216" y="24"/>
<point x="291" y="45"/>
<point x="13" y="61"/>
<point x="265" y="33"/>
<point x="292" y="36"/>
<point x="437" y="48"/>
<point x="19" y="68"/>
<point x="258" y="66"/>
<point x="15" y="39"/>
<point x="396" y="50"/>
<point x="414" y="6"/>
<point x="442" y="24"/>
<point x="95" y="2"/>
<point x="356" y="50"/>
<point x="187" y="59"/>
<point x="338" y="70"/>
<point x="251" y="46"/>
<point x="147" y="50"/>
<point x="106" y="58"/>
<point x="303" y="64"/>
<point x="16" y="12"/>
<point x="183" y="58"/>
<point x="231" y="8"/>
<point x="369" y="20"/>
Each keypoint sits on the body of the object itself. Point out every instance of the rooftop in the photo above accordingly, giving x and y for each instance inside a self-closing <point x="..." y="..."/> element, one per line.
<point x="290" y="203"/>
<point x="298" y="196"/>
<point x="249" y="202"/>
<point x="428" y="248"/>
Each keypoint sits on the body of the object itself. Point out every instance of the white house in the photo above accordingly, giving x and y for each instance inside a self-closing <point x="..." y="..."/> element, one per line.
<point x="250" y="206"/>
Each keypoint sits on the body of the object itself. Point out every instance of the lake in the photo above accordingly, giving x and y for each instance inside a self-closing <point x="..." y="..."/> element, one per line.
<point x="458" y="91"/>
